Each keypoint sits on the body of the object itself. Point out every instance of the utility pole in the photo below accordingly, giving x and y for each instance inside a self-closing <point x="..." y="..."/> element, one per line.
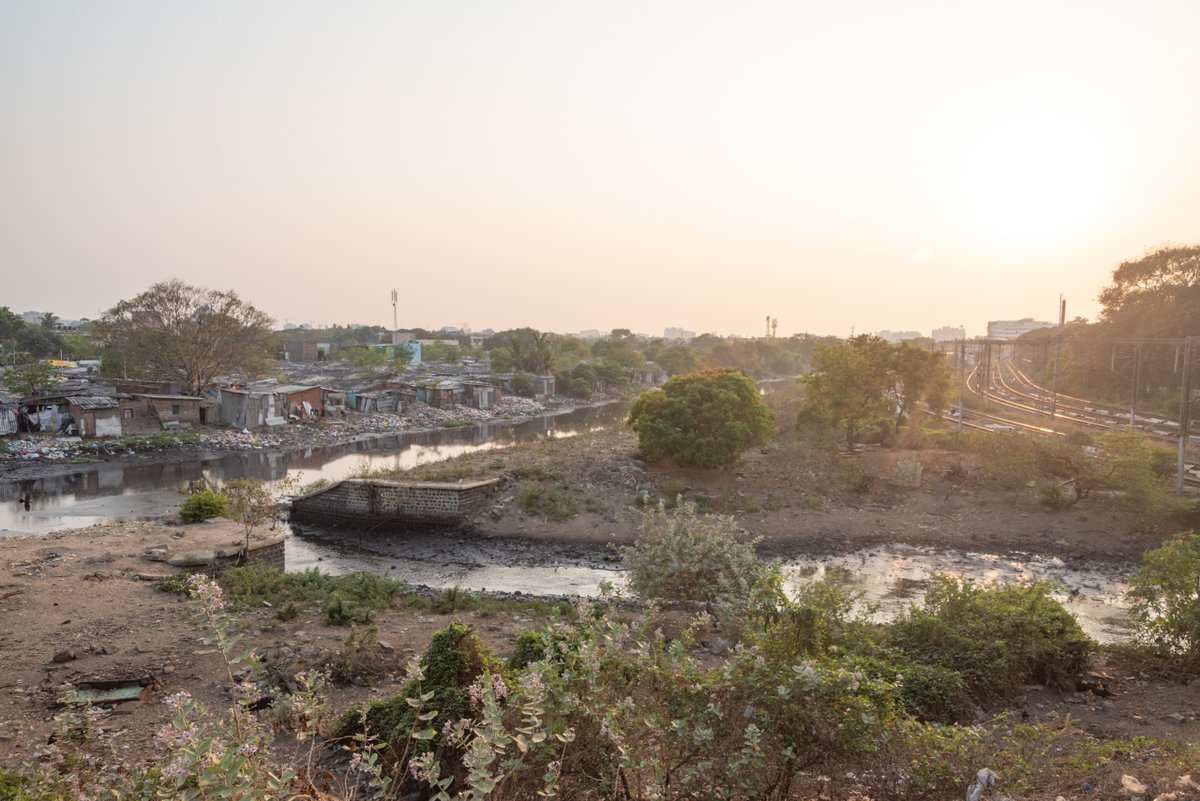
<point x="962" y="371"/>
<point x="395" y="324"/>
<point x="1185" y="414"/>
<point x="1062" y="318"/>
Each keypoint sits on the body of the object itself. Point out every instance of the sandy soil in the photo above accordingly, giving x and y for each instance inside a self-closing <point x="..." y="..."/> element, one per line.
<point x="75" y="606"/>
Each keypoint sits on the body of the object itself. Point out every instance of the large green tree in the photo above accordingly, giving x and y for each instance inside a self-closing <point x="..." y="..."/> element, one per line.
<point x="867" y="380"/>
<point x="701" y="420"/>
<point x="1157" y="295"/>
<point x="845" y="389"/>
<point x="183" y="333"/>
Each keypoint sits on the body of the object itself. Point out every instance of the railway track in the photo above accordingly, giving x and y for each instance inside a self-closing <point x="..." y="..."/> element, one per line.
<point x="1008" y="387"/>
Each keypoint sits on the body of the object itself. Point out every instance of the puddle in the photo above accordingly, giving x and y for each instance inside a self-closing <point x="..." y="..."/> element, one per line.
<point x="892" y="579"/>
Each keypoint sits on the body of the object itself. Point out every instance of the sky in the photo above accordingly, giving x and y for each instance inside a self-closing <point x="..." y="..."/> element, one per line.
<point x="841" y="167"/>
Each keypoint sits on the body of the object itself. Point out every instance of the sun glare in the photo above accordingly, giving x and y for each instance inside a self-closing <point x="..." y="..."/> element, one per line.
<point x="1034" y="182"/>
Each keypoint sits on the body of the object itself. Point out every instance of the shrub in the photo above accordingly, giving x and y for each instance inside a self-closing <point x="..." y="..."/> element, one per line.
<point x="549" y="503"/>
<point x="1166" y="599"/>
<point x="701" y="420"/>
<point x="201" y="506"/>
<point x="437" y="696"/>
<point x="686" y="556"/>
<point x="997" y="638"/>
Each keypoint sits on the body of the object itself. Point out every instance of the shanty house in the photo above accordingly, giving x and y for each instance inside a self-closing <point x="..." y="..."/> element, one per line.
<point x="242" y="408"/>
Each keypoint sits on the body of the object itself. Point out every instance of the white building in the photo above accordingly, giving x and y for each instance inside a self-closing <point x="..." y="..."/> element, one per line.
<point x="1012" y="329"/>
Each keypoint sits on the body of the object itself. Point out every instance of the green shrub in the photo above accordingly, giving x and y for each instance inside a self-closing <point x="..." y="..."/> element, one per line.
<point x="702" y="419"/>
<point x="202" y="506"/>
<point x="346" y="599"/>
<point x="1166" y="599"/>
<point x="551" y="503"/>
<point x="685" y="556"/>
<point x="997" y="638"/>
<point x="454" y="659"/>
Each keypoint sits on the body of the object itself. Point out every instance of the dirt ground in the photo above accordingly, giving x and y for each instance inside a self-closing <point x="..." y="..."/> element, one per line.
<point x="77" y="605"/>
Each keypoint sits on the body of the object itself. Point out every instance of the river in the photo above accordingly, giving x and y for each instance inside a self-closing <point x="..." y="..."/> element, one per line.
<point x="890" y="578"/>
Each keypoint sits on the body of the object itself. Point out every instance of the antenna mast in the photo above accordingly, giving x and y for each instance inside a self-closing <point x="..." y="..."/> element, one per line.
<point x="395" y="325"/>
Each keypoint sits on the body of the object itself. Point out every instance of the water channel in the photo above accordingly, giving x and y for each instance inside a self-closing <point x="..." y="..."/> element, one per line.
<point x="892" y="578"/>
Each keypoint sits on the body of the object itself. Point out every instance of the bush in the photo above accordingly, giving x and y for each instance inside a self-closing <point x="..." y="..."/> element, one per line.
<point x="454" y="659"/>
<point x="201" y="506"/>
<point x="701" y="420"/>
<point x="686" y="556"/>
<point x="1166" y="599"/>
<point x="997" y="638"/>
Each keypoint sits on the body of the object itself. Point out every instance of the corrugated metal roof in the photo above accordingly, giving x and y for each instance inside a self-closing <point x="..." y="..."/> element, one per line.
<point x="93" y="402"/>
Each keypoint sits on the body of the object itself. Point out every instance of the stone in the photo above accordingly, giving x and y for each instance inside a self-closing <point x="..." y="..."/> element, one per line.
<point x="1130" y="786"/>
<point x="193" y="559"/>
<point x="387" y="647"/>
<point x="66" y="655"/>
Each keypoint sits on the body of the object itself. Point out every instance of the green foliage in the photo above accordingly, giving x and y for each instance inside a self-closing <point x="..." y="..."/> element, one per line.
<point x="682" y="555"/>
<point x="437" y="696"/>
<point x="1166" y="599"/>
<point x="32" y="378"/>
<point x="357" y="593"/>
<point x="701" y="420"/>
<point x="1154" y="296"/>
<point x="201" y="506"/>
<point x="185" y="333"/>
<point x="855" y="385"/>
<point x="249" y="502"/>
<point x="997" y="638"/>
<point x="552" y="503"/>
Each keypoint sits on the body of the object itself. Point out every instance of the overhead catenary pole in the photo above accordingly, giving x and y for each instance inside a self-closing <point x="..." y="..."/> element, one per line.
<point x="1185" y="414"/>
<point x="1062" y="318"/>
<point x="962" y="371"/>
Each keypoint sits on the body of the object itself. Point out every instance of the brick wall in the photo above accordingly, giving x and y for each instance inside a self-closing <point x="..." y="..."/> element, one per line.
<point x="390" y="505"/>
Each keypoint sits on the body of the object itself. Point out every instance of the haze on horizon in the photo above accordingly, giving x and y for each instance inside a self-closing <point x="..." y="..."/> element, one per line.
<point x="568" y="166"/>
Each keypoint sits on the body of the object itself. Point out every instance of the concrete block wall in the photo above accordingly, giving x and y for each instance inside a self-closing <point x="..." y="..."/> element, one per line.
<point x="392" y="505"/>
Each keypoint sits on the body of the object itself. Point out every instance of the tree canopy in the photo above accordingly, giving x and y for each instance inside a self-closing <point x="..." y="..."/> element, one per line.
<point x="866" y="380"/>
<point x="701" y="420"/>
<point x="183" y="333"/>
<point x="1157" y="295"/>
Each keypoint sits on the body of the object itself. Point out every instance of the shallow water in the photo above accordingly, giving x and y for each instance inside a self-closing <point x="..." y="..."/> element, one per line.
<point x="892" y="579"/>
<point x="106" y="493"/>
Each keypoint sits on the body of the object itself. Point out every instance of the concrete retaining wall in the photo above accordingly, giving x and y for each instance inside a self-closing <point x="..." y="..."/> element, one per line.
<point x="394" y="505"/>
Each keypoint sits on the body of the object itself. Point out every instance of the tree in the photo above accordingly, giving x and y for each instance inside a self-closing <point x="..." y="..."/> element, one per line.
<point x="1156" y="296"/>
<point x="917" y="375"/>
<point x="249" y="502"/>
<point x="178" y="332"/>
<point x="33" y="378"/>
<point x="858" y="383"/>
<point x="701" y="420"/>
<point x="1166" y="598"/>
<point x="845" y="390"/>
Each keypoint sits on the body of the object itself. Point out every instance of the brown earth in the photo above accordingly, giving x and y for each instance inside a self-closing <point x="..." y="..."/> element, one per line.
<point x="80" y="595"/>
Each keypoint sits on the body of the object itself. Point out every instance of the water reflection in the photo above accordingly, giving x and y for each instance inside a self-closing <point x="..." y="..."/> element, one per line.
<point x="890" y="580"/>
<point x="107" y="492"/>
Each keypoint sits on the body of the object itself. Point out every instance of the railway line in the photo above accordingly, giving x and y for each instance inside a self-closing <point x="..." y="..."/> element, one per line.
<point x="1020" y="398"/>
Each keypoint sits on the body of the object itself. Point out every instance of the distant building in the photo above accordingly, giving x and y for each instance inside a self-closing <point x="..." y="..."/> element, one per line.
<point x="590" y="333"/>
<point x="898" y="336"/>
<point x="679" y="334"/>
<point x="1012" y="329"/>
<point x="949" y="333"/>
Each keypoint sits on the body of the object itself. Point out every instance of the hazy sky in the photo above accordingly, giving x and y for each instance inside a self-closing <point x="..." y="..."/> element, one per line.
<point x="566" y="165"/>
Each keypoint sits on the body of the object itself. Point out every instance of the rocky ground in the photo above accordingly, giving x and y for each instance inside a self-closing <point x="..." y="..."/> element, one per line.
<point x="77" y="605"/>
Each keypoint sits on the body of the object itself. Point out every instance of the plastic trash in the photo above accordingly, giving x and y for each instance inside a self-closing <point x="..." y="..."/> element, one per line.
<point x="1088" y="787"/>
<point x="984" y="779"/>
